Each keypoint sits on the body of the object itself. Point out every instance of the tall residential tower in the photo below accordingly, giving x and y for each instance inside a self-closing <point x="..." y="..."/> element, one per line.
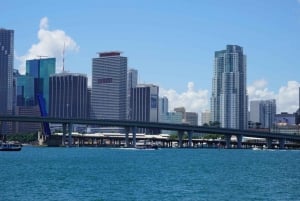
<point x="229" y="101"/>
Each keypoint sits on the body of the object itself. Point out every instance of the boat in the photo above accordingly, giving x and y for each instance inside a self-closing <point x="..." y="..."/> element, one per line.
<point x="9" y="146"/>
<point x="146" y="146"/>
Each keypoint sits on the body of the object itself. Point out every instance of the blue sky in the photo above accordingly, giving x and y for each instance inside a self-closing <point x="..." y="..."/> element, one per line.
<point x="170" y="43"/>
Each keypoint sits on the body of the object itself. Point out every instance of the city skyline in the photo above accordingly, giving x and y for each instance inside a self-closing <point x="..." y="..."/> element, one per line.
<point x="172" y="48"/>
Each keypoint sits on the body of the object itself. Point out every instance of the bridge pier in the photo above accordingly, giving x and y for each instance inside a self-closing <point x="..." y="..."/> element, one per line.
<point x="281" y="143"/>
<point x="269" y="143"/>
<point x="190" y="134"/>
<point x="64" y="134"/>
<point x="180" y="136"/>
<point x="70" y="134"/>
<point x="134" y="136"/>
<point x="239" y="139"/>
<point x="228" y="141"/>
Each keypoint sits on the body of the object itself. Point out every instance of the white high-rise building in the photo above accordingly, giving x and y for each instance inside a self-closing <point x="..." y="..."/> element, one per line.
<point x="205" y="117"/>
<point x="109" y="86"/>
<point x="229" y="97"/>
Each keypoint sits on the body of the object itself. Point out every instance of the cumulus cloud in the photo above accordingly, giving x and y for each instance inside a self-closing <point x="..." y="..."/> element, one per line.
<point x="193" y="100"/>
<point x="258" y="91"/>
<point x="51" y="43"/>
<point x="287" y="97"/>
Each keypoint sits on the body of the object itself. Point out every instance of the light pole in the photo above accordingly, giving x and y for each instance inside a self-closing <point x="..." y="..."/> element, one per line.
<point x="67" y="110"/>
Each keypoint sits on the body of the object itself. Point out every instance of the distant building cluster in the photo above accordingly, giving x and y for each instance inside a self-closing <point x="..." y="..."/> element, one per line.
<point x="116" y="94"/>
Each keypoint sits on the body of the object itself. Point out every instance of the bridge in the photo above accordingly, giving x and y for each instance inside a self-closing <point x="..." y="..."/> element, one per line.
<point x="181" y="128"/>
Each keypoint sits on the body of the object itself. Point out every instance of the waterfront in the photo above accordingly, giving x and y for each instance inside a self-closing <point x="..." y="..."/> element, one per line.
<point x="41" y="173"/>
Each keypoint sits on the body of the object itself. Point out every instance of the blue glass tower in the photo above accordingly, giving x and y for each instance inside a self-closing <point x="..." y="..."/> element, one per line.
<point x="40" y="70"/>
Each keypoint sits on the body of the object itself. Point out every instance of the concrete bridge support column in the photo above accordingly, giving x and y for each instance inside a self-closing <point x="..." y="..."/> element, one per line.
<point x="64" y="134"/>
<point x="239" y="139"/>
<point x="228" y="140"/>
<point x="127" y="136"/>
<point x="281" y="143"/>
<point x="180" y="136"/>
<point x="70" y="135"/>
<point x="134" y="136"/>
<point x="269" y="143"/>
<point x="190" y="134"/>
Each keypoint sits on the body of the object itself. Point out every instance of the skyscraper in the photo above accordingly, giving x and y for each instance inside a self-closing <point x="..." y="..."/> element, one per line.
<point x="144" y="103"/>
<point x="68" y="95"/>
<point x="6" y="70"/>
<point x="132" y="79"/>
<point x="263" y="112"/>
<point x="229" y="96"/>
<point x="109" y="84"/>
<point x="40" y="70"/>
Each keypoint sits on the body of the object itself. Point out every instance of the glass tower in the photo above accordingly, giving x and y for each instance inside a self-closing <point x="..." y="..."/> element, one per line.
<point x="40" y="70"/>
<point x="6" y="70"/>
<point x="132" y="79"/>
<point x="229" y="101"/>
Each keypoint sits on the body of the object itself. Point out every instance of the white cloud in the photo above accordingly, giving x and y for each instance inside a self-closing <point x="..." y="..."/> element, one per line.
<point x="259" y="91"/>
<point x="192" y="100"/>
<point x="51" y="44"/>
<point x="287" y="97"/>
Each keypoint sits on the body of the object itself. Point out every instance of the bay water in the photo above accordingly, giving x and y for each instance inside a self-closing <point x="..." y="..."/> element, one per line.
<point x="96" y="174"/>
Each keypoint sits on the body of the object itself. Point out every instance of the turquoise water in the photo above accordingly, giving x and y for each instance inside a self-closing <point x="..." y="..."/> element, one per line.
<point x="166" y="174"/>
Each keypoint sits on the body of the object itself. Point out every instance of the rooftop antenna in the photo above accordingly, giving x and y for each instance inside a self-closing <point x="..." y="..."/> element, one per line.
<point x="41" y="56"/>
<point x="63" y="59"/>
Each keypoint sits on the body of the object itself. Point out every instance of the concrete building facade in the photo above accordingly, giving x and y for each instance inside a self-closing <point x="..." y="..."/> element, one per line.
<point x="109" y="86"/>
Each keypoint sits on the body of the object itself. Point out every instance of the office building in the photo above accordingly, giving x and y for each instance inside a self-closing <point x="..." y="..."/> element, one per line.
<point x="144" y="103"/>
<point x="27" y="127"/>
<point x="163" y="105"/>
<point x="205" y="118"/>
<point x="262" y="113"/>
<point x="109" y="86"/>
<point x="229" y="97"/>
<point x="191" y="118"/>
<point x="68" y="95"/>
<point x="6" y="70"/>
<point x="41" y="69"/>
<point x="132" y="80"/>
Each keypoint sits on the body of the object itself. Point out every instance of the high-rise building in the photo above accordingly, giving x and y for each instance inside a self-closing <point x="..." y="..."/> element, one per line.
<point x="229" y="97"/>
<point x="132" y="80"/>
<point x="163" y="105"/>
<point x="40" y="70"/>
<point x="6" y="70"/>
<point x="191" y="118"/>
<point x="263" y="112"/>
<point x="205" y="118"/>
<point x="144" y="103"/>
<point x="109" y="84"/>
<point x="68" y="95"/>
<point x="25" y="91"/>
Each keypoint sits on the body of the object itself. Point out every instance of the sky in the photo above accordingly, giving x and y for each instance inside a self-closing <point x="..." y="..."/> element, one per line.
<point x="170" y="43"/>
